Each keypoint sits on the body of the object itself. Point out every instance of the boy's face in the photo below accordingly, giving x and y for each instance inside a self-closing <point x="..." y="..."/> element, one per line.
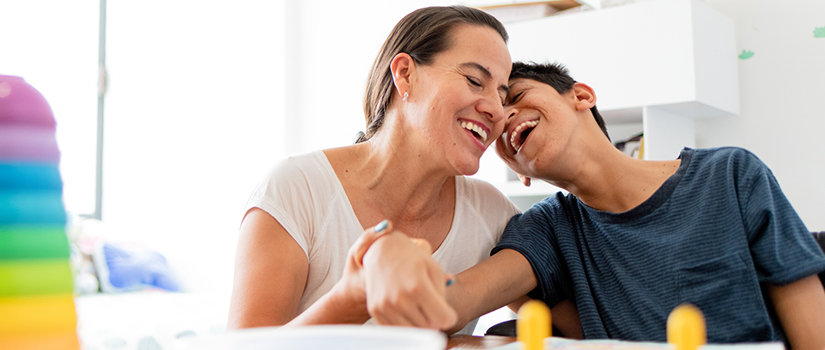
<point x="539" y="127"/>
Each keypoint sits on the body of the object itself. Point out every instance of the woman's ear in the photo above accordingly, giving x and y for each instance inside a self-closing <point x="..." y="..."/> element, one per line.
<point x="401" y="67"/>
<point x="585" y="97"/>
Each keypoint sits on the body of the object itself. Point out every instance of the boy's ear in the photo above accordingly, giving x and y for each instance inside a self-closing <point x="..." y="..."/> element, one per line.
<point x="585" y="97"/>
<point x="402" y="66"/>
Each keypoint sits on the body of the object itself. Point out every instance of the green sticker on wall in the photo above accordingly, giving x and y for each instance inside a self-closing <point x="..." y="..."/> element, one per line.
<point x="745" y="54"/>
<point x="819" y="32"/>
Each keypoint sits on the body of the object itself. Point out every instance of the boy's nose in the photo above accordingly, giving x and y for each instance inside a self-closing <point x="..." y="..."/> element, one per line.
<point x="511" y="113"/>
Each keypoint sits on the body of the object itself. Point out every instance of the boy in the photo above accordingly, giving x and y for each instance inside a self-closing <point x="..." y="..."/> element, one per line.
<point x="634" y="239"/>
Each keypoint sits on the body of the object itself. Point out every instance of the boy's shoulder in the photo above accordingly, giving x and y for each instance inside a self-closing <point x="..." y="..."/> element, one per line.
<point x="720" y="152"/>
<point x="555" y="204"/>
<point x="727" y="156"/>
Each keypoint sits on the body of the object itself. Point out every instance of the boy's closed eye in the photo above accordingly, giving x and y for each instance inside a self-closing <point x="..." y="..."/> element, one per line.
<point x="514" y="97"/>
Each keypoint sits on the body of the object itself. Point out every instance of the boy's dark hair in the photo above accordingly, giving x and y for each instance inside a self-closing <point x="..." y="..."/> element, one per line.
<point x="555" y="75"/>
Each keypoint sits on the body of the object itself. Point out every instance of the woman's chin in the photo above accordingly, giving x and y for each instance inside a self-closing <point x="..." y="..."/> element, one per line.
<point x="467" y="168"/>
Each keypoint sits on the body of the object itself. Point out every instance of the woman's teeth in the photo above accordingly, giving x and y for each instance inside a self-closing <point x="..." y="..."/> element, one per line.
<point x="475" y="128"/>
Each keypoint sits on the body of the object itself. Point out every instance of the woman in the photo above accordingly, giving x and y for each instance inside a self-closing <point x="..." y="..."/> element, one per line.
<point x="433" y="105"/>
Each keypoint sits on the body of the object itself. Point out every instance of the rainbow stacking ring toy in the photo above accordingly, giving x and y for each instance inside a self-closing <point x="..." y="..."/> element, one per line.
<point x="36" y="291"/>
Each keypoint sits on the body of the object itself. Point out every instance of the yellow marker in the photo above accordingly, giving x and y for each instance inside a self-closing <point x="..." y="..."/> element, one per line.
<point x="686" y="328"/>
<point x="533" y="325"/>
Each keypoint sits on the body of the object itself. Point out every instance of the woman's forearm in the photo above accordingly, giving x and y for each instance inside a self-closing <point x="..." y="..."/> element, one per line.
<point x="333" y="308"/>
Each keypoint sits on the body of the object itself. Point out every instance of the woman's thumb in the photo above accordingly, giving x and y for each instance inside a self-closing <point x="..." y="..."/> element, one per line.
<point x="367" y="239"/>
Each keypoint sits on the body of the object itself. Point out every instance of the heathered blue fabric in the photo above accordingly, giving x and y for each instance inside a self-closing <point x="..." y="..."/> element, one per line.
<point x="710" y="235"/>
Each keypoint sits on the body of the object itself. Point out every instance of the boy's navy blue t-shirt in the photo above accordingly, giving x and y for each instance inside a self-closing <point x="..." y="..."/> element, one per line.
<point x="711" y="235"/>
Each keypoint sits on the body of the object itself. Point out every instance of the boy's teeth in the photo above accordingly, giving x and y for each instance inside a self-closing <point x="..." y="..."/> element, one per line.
<point x="517" y="133"/>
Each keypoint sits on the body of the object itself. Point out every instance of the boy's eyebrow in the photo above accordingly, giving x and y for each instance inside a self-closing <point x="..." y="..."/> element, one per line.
<point x="515" y="83"/>
<point x="487" y="74"/>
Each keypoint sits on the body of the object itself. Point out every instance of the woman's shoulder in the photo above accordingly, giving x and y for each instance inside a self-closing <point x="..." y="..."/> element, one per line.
<point x="298" y="163"/>
<point x="478" y="187"/>
<point x="299" y="170"/>
<point x="483" y="195"/>
<point x="295" y="175"/>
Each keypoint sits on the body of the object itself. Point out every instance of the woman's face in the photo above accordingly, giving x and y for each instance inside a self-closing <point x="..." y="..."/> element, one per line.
<point x="456" y="102"/>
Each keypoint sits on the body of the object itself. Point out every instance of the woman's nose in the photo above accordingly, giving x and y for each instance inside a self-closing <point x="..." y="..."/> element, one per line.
<point x="492" y="108"/>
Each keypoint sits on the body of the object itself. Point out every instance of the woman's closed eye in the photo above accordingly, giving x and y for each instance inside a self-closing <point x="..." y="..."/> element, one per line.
<point x="473" y="81"/>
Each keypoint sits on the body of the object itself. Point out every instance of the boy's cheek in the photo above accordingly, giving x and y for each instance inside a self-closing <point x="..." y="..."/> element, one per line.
<point x="502" y="151"/>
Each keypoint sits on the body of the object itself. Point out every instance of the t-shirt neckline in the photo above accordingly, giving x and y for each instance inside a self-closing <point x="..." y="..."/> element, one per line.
<point x="658" y="198"/>
<point x="339" y="188"/>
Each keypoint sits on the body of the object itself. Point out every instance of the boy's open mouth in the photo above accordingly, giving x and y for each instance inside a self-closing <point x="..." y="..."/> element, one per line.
<point x="520" y="133"/>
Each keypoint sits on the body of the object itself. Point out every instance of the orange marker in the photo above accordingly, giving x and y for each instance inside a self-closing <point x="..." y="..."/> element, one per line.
<point x="686" y="328"/>
<point x="533" y="325"/>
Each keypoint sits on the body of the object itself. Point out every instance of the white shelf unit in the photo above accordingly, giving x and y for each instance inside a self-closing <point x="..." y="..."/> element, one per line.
<point x="659" y="64"/>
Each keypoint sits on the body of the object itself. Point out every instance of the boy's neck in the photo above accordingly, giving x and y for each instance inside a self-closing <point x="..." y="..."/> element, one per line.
<point x="618" y="183"/>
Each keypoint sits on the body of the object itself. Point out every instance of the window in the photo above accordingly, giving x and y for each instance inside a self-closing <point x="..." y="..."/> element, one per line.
<point x="53" y="45"/>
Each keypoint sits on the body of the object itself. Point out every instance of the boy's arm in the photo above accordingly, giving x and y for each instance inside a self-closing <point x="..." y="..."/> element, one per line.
<point x="501" y="279"/>
<point x="800" y="307"/>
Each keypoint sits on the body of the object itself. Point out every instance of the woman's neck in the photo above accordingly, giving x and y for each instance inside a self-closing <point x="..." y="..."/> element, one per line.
<point x="393" y="175"/>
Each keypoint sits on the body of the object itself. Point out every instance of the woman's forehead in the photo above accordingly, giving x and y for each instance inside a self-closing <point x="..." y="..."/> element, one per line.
<point x="479" y="44"/>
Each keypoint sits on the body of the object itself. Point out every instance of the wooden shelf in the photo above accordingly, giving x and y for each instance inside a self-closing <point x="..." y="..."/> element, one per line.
<point x="558" y="5"/>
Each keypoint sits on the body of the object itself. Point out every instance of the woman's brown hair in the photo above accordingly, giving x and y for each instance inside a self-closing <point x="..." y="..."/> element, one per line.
<point x="421" y="34"/>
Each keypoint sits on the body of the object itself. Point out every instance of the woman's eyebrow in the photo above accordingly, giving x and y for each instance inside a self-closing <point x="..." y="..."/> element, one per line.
<point x="473" y="65"/>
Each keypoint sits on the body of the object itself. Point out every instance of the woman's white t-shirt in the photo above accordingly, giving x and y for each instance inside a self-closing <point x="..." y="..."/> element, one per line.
<point x="304" y="195"/>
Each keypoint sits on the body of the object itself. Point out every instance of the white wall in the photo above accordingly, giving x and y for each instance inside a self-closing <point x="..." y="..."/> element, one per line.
<point x="782" y="97"/>
<point x="331" y="48"/>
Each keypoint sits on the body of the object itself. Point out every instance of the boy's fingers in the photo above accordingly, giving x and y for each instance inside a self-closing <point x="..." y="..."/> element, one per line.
<point x="413" y="314"/>
<point x="434" y="304"/>
<point x="395" y="319"/>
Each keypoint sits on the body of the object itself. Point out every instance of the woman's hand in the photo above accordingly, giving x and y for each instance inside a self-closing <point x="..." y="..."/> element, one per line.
<point x="404" y="285"/>
<point x="351" y="287"/>
<point x="346" y="302"/>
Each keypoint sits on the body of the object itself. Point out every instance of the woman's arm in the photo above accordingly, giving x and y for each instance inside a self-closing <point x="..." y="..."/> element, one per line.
<point x="800" y="307"/>
<point x="270" y="274"/>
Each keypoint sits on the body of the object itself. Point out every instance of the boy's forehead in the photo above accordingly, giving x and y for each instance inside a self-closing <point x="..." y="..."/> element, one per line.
<point x="516" y="83"/>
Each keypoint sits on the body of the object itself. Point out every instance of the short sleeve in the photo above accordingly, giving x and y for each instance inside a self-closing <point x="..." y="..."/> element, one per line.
<point x="531" y="234"/>
<point x="492" y="206"/>
<point x="782" y="247"/>
<point x="286" y="196"/>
